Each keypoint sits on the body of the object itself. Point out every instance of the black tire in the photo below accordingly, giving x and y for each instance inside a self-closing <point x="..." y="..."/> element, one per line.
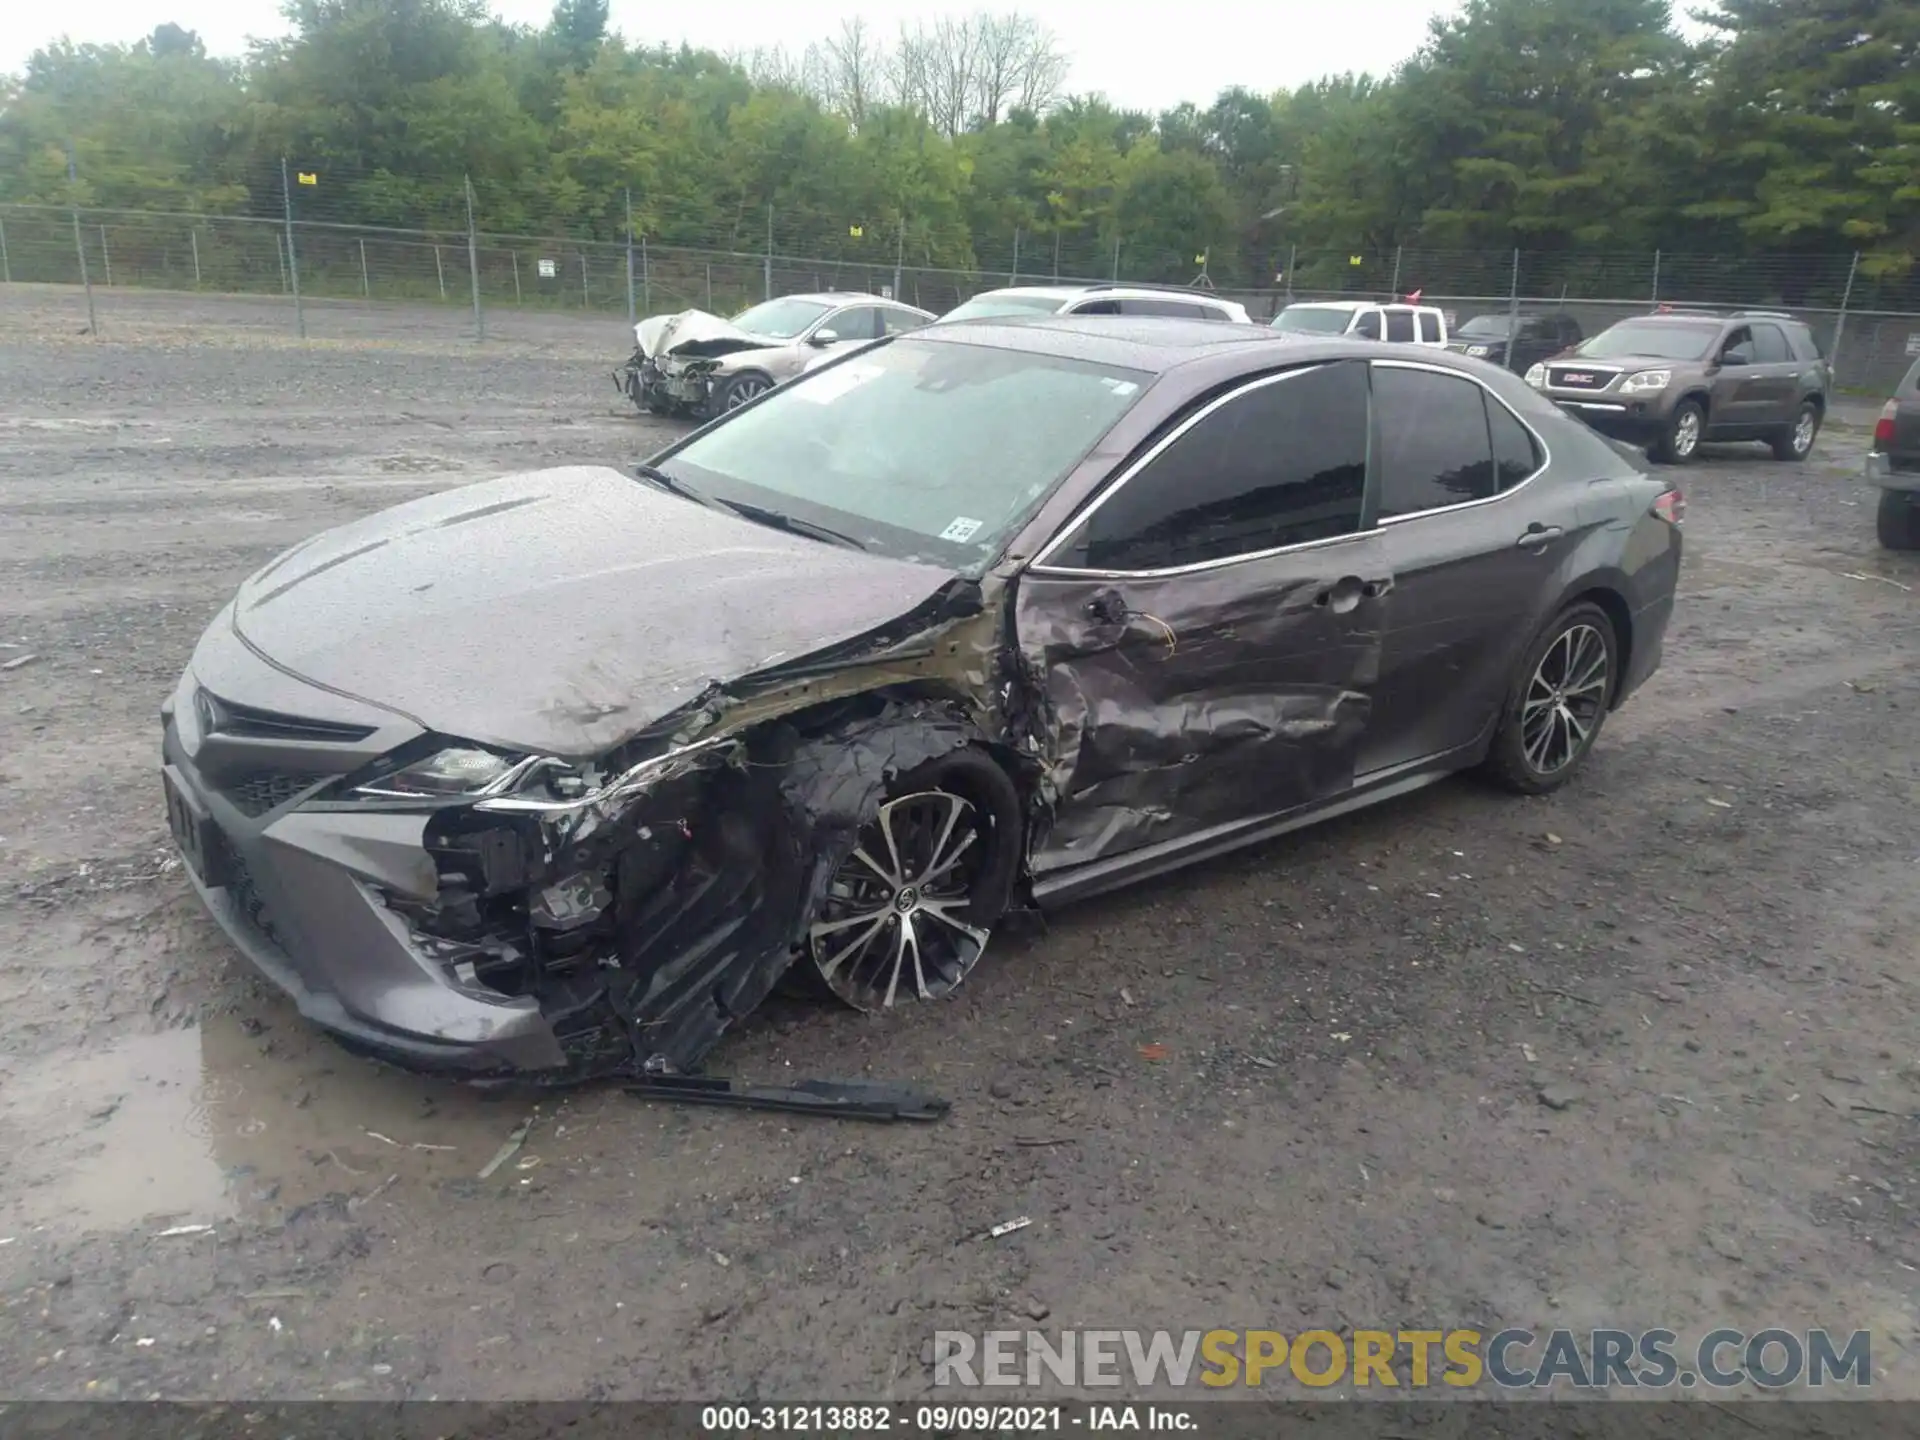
<point x="1796" y="441"/>
<point x="1897" y="522"/>
<point x="947" y="900"/>
<point x="1516" y="760"/>
<point x="1679" y="441"/>
<point x="739" y="389"/>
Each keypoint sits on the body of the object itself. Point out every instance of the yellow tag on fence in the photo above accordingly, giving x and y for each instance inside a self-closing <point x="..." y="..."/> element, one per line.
<point x="307" y="178"/>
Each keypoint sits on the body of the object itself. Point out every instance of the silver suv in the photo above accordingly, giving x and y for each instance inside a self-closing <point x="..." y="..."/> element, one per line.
<point x="1676" y="378"/>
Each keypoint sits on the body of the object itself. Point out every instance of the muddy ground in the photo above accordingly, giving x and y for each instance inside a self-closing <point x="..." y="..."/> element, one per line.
<point x="1709" y="941"/>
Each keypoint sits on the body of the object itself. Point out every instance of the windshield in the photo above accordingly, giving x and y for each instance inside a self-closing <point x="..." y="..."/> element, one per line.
<point x="1487" y="327"/>
<point x="1313" y="320"/>
<point x="780" y="319"/>
<point x="916" y="450"/>
<point x="993" y="307"/>
<point x="1655" y="340"/>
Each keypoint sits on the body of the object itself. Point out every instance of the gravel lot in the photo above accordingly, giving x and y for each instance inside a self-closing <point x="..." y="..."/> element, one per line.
<point x="1708" y="941"/>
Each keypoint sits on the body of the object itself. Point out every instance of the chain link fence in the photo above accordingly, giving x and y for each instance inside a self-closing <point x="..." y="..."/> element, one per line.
<point x="1870" y="327"/>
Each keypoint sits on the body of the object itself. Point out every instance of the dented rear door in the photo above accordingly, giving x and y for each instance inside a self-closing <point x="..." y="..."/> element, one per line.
<point x="1206" y="634"/>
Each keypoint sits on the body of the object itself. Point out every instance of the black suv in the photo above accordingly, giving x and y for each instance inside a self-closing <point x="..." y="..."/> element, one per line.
<point x="1675" y="378"/>
<point x="1535" y="338"/>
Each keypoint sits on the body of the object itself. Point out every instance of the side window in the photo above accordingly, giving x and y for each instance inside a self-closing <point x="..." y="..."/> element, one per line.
<point x="1282" y="463"/>
<point x="898" y="322"/>
<point x="1738" y="345"/>
<point x="1805" y="347"/>
<point x="1429" y="328"/>
<point x="1770" y="346"/>
<point x="1400" y="326"/>
<point x="1368" y="326"/>
<point x="1143" y="305"/>
<point x="1516" y="454"/>
<point x="859" y="323"/>
<point x="1096" y="307"/>
<point x="1434" y="446"/>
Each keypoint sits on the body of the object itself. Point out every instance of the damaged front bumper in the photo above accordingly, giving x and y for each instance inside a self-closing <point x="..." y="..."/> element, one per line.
<point x="664" y="386"/>
<point x="303" y="896"/>
<point x="572" y="922"/>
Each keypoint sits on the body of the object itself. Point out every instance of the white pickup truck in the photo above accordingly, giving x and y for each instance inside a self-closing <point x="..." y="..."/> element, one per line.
<point x="1397" y="324"/>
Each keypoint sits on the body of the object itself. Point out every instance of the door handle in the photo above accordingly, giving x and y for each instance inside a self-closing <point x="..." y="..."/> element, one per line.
<point x="1539" y="536"/>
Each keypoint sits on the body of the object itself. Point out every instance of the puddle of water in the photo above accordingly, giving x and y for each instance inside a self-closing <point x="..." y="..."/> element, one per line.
<point x="225" y="1119"/>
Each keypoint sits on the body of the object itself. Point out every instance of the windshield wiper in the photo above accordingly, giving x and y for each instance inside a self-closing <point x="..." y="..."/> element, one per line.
<point x="654" y="475"/>
<point x="779" y="520"/>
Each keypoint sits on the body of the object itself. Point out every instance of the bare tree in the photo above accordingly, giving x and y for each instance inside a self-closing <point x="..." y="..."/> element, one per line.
<point x="906" y="71"/>
<point x="777" y="68"/>
<point x="1018" y="65"/>
<point x="853" y="65"/>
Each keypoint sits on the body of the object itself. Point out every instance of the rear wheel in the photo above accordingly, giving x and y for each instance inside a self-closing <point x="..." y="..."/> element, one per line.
<point x="1679" y="442"/>
<point x="1796" y="442"/>
<point x="909" y="912"/>
<point x="1898" y="520"/>
<point x="1557" y="703"/>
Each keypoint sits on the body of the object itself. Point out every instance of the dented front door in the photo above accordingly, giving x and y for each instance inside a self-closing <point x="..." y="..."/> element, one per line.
<point x="1208" y="633"/>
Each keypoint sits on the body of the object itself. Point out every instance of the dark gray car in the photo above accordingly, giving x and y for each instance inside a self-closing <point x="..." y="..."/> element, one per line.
<point x="561" y="772"/>
<point x="1676" y="379"/>
<point x="1893" y="464"/>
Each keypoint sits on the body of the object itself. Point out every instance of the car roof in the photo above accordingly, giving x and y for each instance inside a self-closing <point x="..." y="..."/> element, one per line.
<point x="1156" y="344"/>
<point x="841" y="297"/>
<point x="1080" y="292"/>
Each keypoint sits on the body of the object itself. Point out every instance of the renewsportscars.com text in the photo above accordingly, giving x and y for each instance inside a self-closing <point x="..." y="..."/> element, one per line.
<point x="1511" y="1359"/>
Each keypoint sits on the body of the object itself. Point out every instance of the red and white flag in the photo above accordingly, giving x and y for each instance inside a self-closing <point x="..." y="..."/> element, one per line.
<point x="1414" y="298"/>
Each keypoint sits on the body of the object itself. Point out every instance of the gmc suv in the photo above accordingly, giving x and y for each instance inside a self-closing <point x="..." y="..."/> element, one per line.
<point x="1676" y="378"/>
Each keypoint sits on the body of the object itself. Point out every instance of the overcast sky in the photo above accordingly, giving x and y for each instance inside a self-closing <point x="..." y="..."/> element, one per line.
<point x="1114" y="47"/>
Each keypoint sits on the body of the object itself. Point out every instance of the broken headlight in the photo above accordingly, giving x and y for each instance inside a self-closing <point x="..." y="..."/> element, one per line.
<point x="459" y="772"/>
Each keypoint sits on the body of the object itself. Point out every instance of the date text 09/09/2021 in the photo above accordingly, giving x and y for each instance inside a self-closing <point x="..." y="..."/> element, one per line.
<point x="942" y="1419"/>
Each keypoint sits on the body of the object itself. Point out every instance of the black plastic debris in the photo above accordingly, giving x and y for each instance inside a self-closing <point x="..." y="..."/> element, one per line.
<point x="843" y="1099"/>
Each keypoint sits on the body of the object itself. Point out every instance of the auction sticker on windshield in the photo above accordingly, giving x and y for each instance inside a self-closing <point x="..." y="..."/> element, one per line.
<point x="962" y="529"/>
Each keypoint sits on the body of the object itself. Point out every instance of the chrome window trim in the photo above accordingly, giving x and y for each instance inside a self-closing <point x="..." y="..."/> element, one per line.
<point x="1039" y="565"/>
<point x="1487" y="394"/>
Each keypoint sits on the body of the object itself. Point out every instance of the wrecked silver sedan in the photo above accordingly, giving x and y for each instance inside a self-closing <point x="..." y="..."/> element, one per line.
<point x="697" y="364"/>
<point x="560" y="773"/>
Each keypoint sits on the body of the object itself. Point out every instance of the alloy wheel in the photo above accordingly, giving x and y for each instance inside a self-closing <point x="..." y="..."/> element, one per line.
<point x="1803" y="433"/>
<point x="747" y="387"/>
<point x="1686" y="434"/>
<point x="892" y="924"/>
<point x="1565" y="700"/>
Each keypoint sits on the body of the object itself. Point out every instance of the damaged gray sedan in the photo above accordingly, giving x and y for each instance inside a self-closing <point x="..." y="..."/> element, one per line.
<point x="560" y="774"/>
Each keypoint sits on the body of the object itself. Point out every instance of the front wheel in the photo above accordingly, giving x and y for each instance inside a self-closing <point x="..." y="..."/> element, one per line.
<point x="909" y="912"/>
<point x="1679" y="442"/>
<point x="1898" y="520"/>
<point x="741" y="389"/>
<point x="1797" y="442"/>
<point x="1557" y="703"/>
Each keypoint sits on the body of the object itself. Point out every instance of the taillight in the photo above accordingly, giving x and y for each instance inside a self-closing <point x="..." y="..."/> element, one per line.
<point x="1671" y="507"/>
<point x="1883" y="428"/>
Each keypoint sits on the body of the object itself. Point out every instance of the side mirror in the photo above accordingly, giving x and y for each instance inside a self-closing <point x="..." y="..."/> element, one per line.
<point x="824" y="337"/>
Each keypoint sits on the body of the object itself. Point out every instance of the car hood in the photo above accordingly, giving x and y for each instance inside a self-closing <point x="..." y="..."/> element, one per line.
<point x="694" y="334"/>
<point x="559" y="611"/>
<point x="1622" y="363"/>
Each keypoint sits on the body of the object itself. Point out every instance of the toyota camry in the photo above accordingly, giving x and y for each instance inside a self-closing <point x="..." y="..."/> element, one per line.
<point x="560" y="774"/>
